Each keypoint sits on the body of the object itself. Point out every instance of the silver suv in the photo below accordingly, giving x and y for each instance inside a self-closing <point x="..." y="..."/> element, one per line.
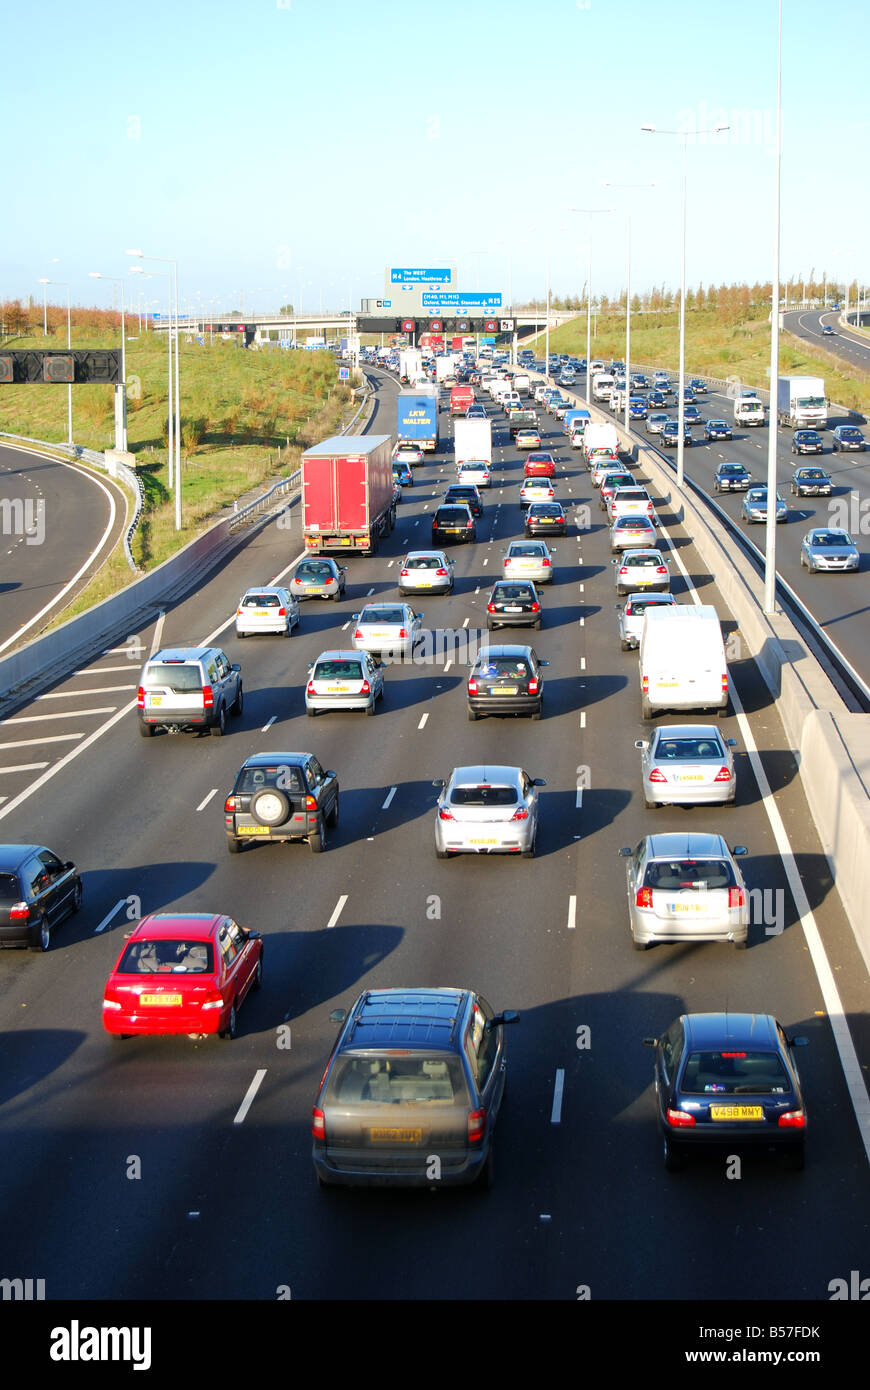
<point x="188" y="688"/>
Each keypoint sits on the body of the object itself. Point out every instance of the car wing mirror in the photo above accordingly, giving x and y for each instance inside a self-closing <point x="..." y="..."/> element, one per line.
<point x="650" y="1042"/>
<point x="539" y="781"/>
<point x="798" y="1042"/>
<point x="641" y="743"/>
<point x="625" y="852"/>
<point x="338" y="1016"/>
<point x="739" y="850"/>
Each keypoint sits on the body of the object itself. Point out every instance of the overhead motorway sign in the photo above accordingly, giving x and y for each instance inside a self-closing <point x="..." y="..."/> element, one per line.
<point x="455" y="300"/>
<point x="30" y="365"/>
<point x="441" y="275"/>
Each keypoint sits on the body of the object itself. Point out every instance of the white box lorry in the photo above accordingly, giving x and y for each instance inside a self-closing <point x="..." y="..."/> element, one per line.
<point x="472" y="439"/>
<point x="600" y="436"/>
<point x="801" y="402"/>
<point x="682" y="664"/>
<point x="602" y="383"/>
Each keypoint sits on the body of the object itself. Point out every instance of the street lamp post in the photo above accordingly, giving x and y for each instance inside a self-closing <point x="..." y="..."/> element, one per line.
<point x="770" y="538"/>
<point x="62" y="284"/>
<point x="608" y="184"/>
<point x="167" y="260"/>
<point x="170" y="429"/>
<point x="589" y="212"/>
<point x="121" y="389"/>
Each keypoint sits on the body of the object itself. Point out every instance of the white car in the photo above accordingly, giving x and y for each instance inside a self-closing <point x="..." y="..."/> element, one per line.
<point x="536" y="490"/>
<point x="266" y="609"/>
<point x="426" y="571"/>
<point x="630" y="501"/>
<point x="386" y="629"/>
<point x="577" y="438"/>
<point x="532" y="559"/>
<point x="641" y="569"/>
<point x="487" y="810"/>
<point x="341" y="679"/>
<point x="474" y="471"/>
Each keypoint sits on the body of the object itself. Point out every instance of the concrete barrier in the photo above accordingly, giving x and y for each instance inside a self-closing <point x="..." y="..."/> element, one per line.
<point x="831" y="744"/>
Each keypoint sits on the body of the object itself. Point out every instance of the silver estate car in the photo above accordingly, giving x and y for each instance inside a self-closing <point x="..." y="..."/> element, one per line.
<point x="641" y="569"/>
<point x="343" y="679"/>
<point x="426" y="571"/>
<point x="687" y="765"/>
<point x="529" y="560"/>
<point x="387" y="629"/>
<point x="487" y="810"/>
<point x="686" y="887"/>
<point x="826" y="548"/>
<point x="267" y="609"/>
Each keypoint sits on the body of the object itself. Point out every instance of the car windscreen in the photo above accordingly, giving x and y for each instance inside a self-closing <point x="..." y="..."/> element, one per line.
<point x="700" y="874"/>
<point x="381" y="614"/>
<point x="688" y="749"/>
<point x="282" y="776"/>
<point x="831" y="539"/>
<point x="733" y="1073"/>
<point x="483" y="796"/>
<point x="180" y="679"/>
<point x="177" y="957"/>
<point x="412" y="1079"/>
<point x="338" y="670"/>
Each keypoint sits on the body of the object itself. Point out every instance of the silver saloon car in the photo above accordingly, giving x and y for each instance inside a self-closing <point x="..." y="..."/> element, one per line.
<point x="487" y="810"/>
<point x="387" y="629"/>
<point x="426" y="572"/>
<point x="267" y="609"/>
<point x="829" y="549"/>
<point x="342" y="679"/>
<point x="687" y="765"/>
<point x="754" y="506"/>
<point x="686" y="887"/>
<point x="529" y="560"/>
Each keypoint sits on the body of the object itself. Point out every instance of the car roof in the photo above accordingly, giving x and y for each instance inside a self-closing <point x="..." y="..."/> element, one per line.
<point x="406" y="1018"/>
<point x="199" y="926"/>
<point x="712" y="1030"/>
<point x="507" y="649"/>
<point x="339" y="654"/>
<point x="182" y="654"/>
<point x="683" y="844"/>
<point x="270" y="759"/>
<point x="13" y="856"/>
<point x="480" y="774"/>
<point x="687" y="731"/>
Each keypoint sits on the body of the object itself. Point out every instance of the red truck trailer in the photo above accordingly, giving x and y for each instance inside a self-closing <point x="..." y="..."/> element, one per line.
<point x="461" y="397"/>
<point x="347" y="493"/>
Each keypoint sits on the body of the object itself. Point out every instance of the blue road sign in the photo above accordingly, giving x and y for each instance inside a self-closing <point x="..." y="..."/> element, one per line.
<point x="343" y="373"/>
<point x="454" y="300"/>
<point x="413" y="275"/>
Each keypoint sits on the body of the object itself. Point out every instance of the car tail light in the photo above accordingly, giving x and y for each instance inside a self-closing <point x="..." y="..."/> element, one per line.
<point x="681" y="1118"/>
<point x="536" y="607"/>
<point x="19" y="912"/>
<point x="214" y="1001"/>
<point x="318" y="1123"/>
<point x="440" y="572"/>
<point x="207" y="697"/>
<point x="520" y="814"/>
<point x="311" y="803"/>
<point x="547" y="563"/>
<point x="533" y="686"/>
<point x="310" y="688"/>
<point x="505" y="561"/>
<point x="358" y="633"/>
<point x="644" y="684"/>
<point x="792" y="1119"/>
<point x="366" y="688"/>
<point x="661" y="569"/>
<point x="472" y="686"/>
<point x="330" y="580"/>
<point x="282" y="612"/>
<point x="657" y="775"/>
<point x="140" y="697"/>
<point x="402" y="632"/>
<point x="239" y="613"/>
<point x="476" y="1125"/>
<point x="725" y="683"/>
<point x="445" y="815"/>
<point x="490" y="608"/>
<point x="623" y="569"/>
<point x="723" y="775"/>
<point x="643" y="897"/>
<point x="230" y="804"/>
<point x="736" y="897"/>
<point x="405" y="573"/>
<point x="468" y="525"/>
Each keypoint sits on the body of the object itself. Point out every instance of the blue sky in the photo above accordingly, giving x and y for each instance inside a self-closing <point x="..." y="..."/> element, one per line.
<point x="274" y="147"/>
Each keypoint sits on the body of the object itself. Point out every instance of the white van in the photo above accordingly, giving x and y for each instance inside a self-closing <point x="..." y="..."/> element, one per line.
<point x="600" y="435"/>
<point x="682" y="660"/>
<point x="601" y="386"/>
<point x="748" y="410"/>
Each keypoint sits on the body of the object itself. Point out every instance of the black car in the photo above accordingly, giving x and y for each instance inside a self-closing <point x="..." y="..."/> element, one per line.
<point x="807" y="442"/>
<point x="657" y="398"/>
<point x="453" y="522"/>
<point x="546" y="519"/>
<point x="731" y="477"/>
<point x="513" y="603"/>
<point x="506" y="680"/>
<point x="728" y="1080"/>
<point x="281" y="796"/>
<point x="848" y="437"/>
<point x="810" y="482"/>
<point x="37" y="891"/>
<point x="411" y="1092"/>
<point x="670" y="434"/>
<point x="465" y="492"/>
<point x="717" y="429"/>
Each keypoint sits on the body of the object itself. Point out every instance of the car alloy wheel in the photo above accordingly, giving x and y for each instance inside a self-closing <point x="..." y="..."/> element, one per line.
<point x="219" y="729"/>
<point x="44" y="935"/>
<point x="257" y="982"/>
<point x="232" y="1024"/>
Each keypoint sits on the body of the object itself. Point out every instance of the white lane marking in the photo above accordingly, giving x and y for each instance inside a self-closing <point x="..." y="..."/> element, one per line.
<point x="252" y="1090"/>
<point x="99" y="670"/>
<point x="579" y="801"/>
<point x="558" y="1091"/>
<point x="370" y="592"/>
<point x="22" y="767"/>
<point x="157" y="641"/>
<point x="486" y="557"/>
<point x="52" y="603"/>
<point x="582" y="589"/>
<point x="423" y="719"/>
<point x="477" y="590"/>
<point x="107" y="919"/>
<point x="336" y="912"/>
<point x="76" y="694"/>
<point x="465" y="624"/>
<point x="582" y="663"/>
<point x="32" y="742"/>
<point x="346" y="626"/>
<point x="582" y="719"/>
<point x="389" y="566"/>
<point x="572" y="912"/>
<point x="582" y="622"/>
<point x="202" y="805"/>
<point x="447" y="665"/>
<point x="269" y="725"/>
<point x="390" y="795"/>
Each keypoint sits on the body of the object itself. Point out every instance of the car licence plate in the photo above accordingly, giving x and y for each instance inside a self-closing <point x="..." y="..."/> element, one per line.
<point x="480" y="840"/>
<point x="155" y="699"/>
<point x="512" y="608"/>
<point x="253" y="830"/>
<point x="337" y="690"/>
<point x="736" y="1112"/>
<point x="158" y="1001"/>
<point x="687" y="907"/>
<point x="503" y="690"/>
<point x="396" y="1136"/>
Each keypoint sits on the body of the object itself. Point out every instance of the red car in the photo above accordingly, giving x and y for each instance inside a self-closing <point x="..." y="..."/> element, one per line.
<point x="539" y="465"/>
<point x="212" y="962"/>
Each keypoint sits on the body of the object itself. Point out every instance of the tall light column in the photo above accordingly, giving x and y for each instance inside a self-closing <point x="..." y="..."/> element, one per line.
<point x="120" y="391"/>
<point x="173" y="327"/>
<point x="770" y="555"/>
<point x="170" y="428"/>
<point x="608" y="184"/>
<point x="62" y="284"/>
<point x="589" y="212"/>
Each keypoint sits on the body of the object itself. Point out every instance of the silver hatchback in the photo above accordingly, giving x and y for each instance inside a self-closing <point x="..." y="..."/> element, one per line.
<point x="686" y="888"/>
<point x="267" y="609"/>
<point x="343" y="680"/>
<point x="426" y="571"/>
<point x="387" y="629"/>
<point x="487" y="810"/>
<point x="687" y="765"/>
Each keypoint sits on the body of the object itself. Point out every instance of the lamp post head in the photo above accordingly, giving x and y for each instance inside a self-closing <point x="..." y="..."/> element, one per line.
<point x="133" y="253"/>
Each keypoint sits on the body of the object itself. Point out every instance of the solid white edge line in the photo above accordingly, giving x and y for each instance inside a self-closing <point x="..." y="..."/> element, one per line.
<point x="252" y="1090"/>
<point x="336" y="912"/>
<point x="157" y="640"/>
<point x="68" y="757"/>
<point x="390" y="795"/>
<point x="558" y="1091"/>
<point x="207" y="799"/>
<point x="107" y="919"/>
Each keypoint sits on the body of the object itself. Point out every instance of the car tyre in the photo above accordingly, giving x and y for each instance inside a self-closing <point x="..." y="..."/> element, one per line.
<point x="332" y="818"/>
<point x="219" y="729"/>
<point x="232" y="1027"/>
<point x="640" y="945"/>
<point x="442" y="854"/>
<point x="146" y="730"/>
<point x="310" y="712"/>
<point x="44" y="940"/>
<point x="317" y="841"/>
<point x="536" y="713"/>
<point x="530" y="852"/>
<point x="471" y="714"/>
<point x="239" y="703"/>
<point x="257" y="982"/>
<point x="645" y="708"/>
<point x="234" y="846"/>
<point x="370" y="709"/>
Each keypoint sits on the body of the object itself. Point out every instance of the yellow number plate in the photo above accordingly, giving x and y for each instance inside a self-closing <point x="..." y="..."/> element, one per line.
<point x="160" y="1001"/>
<point x="253" y="830"/>
<point x="396" y="1136"/>
<point x="503" y="690"/>
<point x="490" y="841"/>
<point x="736" y="1112"/>
<point x="155" y="699"/>
<point x="343" y="689"/>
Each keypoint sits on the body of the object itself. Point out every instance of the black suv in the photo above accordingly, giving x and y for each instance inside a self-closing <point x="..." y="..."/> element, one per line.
<point x="506" y="680"/>
<point x="411" y="1091"/>
<point x="465" y="492"/>
<point x="281" y="796"/>
<point x="453" y="522"/>
<point x="188" y="688"/>
<point x="37" y="890"/>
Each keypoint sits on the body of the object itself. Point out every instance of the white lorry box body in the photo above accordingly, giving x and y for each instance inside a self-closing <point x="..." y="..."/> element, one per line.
<point x="602" y="435"/>
<point x="682" y="663"/>
<point x="472" y="439"/>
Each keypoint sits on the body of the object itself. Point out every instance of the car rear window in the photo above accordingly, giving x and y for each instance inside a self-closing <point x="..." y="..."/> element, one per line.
<point x="261" y="601"/>
<point x="503" y="666"/>
<point x="180" y="678"/>
<point x="338" y="670"/>
<point x="382" y="615"/>
<point x="282" y="776"/>
<point x="639" y="562"/>
<point x="9" y="890"/>
<point x="526" y="551"/>
<point x="734" y="1073"/>
<point x="178" y="957"/>
<point x="701" y="874"/>
<point x="483" y="796"/>
<point x="511" y="593"/>
<point x="423" y="562"/>
<point x="640" y="605"/>
<point x="688" y="749"/>
<point x="451" y="516"/>
<point x="313" y="568"/>
<point x="412" y="1079"/>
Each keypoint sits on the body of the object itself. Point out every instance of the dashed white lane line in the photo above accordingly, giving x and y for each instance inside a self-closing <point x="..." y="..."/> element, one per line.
<point x="447" y="665"/>
<point x="579" y="801"/>
<point x="100" y="670"/>
<point x="390" y="795"/>
<point x="269" y="725"/>
<point x="202" y="805"/>
<point x="370" y="592"/>
<point x="582" y="719"/>
<point x="465" y="624"/>
<point x="572" y="912"/>
<point x="24" y="767"/>
<point x="32" y="742"/>
<point x="423" y="721"/>
<point x="107" y="919"/>
<point x="67" y="714"/>
<point x="582" y="663"/>
<point x="239" y="1117"/>
<point x="337" y="911"/>
<point x="77" y="694"/>
<point x="558" y="1092"/>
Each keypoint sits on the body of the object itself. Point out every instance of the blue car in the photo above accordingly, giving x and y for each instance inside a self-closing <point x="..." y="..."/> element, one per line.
<point x="717" y="429"/>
